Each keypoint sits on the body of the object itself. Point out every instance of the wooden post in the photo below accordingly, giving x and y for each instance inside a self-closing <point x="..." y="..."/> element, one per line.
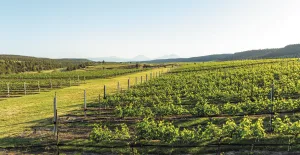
<point x="7" y="89"/>
<point x="84" y="79"/>
<point x="39" y="86"/>
<point x="84" y="99"/>
<point x="24" y="88"/>
<point x="156" y="74"/>
<point x="84" y="102"/>
<point x="118" y="87"/>
<point x="146" y="77"/>
<point x="99" y="102"/>
<point x="57" y="132"/>
<point x="128" y="84"/>
<point x="104" y="94"/>
<point x="55" y="114"/>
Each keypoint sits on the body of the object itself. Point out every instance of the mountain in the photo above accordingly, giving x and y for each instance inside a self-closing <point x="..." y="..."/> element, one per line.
<point x="139" y="58"/>
<point x="118" y="59"/>
<point x="134" y="59"/>
<point x="289" y="51"/>
<point x="171" y="56"/>
<point x="109" y="59"/>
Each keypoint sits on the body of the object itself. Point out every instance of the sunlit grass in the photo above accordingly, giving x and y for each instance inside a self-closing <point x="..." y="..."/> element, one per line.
<point x="19" y="114"/>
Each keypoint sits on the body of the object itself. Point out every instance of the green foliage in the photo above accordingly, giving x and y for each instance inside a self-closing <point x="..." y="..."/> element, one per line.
<point x="210" y="89"/>
<point x="244" y="129"/>
<point x="101" y="133"/>
<point x="229" y="128"/>
<point x="232" y="109"/>
<point x="281" y="126"/>
<point x="205" y="109"/>
<point x="188" y="136"/>
<point x="151" y="130"/>
<point x="146" y="129"/>
<point x="211" y="131"/>
<point x="258" y="130"/>
<point x="122" y="133"/>
<point x="167" y="132"/>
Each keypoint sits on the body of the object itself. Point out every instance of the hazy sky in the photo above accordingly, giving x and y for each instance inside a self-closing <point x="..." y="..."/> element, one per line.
<point x="126" y="28"/>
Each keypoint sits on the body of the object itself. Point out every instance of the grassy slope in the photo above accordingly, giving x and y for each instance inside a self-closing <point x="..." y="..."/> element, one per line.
<point x="19" y="114"/>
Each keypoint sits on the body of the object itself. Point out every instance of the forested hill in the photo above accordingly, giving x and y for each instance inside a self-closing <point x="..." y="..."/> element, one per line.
<point x="17" y="63"/>
<point x="290" y="51"/>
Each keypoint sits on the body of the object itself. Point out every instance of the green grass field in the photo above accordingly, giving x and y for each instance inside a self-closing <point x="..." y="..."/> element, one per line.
<point x="18" y="115"/>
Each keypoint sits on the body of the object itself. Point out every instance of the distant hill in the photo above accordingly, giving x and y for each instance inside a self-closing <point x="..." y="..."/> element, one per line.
<point x="289" y="51"/>
<point x="170" y="56"/>
<point x="118" y="59"/>
<point x="29" y="58"/>
<point x="18" y="63"/>
<point x="137" y="58"/>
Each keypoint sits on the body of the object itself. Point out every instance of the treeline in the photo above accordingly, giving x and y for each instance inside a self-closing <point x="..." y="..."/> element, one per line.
<point x="17" y="64"/>
<point x="289" y="51"/>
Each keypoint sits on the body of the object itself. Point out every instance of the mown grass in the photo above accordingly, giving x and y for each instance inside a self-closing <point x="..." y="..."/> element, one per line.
<point x="18" y="115"/>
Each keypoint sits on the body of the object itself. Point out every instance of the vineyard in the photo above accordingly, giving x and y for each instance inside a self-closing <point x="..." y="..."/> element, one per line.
<point x="212" y="107"/>
<point x="216" y="103"/>
<point x="16" y="85"/>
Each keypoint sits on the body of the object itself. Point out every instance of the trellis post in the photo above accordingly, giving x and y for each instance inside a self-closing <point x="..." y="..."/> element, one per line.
<point x="104" y="93"/>
<point x="55" y="114"/>
<point x="128" y="84"/>
<point x="99" y="102"/>
<point x="84" y="100"/>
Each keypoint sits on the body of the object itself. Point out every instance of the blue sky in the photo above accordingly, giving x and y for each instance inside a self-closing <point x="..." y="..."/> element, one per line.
<point x="126" y="28"/>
